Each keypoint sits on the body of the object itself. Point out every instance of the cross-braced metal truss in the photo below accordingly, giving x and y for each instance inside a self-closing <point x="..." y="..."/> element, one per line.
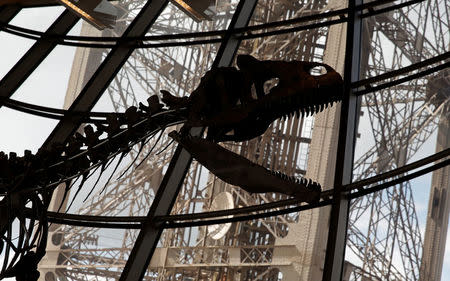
<point x="374" y="248"/>
<point x="402" y="119"/>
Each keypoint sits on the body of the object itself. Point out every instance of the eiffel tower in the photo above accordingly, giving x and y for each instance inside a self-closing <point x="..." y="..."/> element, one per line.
<point x="402" y="119"/>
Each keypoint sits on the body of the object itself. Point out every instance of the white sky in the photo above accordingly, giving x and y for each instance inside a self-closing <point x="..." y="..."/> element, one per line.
<point x="47" y="86"/>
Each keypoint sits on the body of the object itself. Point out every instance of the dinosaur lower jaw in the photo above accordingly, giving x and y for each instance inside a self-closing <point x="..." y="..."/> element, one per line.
<point x="239" y="171"/>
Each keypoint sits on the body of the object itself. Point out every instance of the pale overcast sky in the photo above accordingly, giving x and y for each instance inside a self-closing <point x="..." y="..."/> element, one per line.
<point x="46" y="86"/>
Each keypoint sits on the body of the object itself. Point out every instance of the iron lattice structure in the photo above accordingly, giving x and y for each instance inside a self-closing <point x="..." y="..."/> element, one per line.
<point x="179" y="70"/>
<point x="395" y="207"/>
<point x="402" y="118"/>
<point x="396" y="142"/>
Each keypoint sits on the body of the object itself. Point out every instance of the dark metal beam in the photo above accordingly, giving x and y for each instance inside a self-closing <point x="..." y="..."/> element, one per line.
<point x="29" y="3"/>
<point x="106" y="72"/>
<point x="8" y="13"/>
<point x="35" y="55"/>
<point x="335" y="252"/>
<point x="150" y="233"/>
<point x="32" y="3"/>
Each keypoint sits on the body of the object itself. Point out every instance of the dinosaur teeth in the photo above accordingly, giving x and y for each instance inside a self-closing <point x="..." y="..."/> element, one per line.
<point x="307" y="183"/>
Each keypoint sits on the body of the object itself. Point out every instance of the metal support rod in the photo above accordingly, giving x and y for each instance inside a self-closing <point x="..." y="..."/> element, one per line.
<point x="335" y="253"/>
<point x="150" y="233"/>
<point x="35" y="55"/>
<point x="30" y="3"/>
<point x="106" y="72"/>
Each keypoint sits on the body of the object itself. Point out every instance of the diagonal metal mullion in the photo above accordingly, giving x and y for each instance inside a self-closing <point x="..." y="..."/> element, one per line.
<point x="35" y="55"/>
<point x="166" y="195"/>
<point x="7" y="13"/>
<point x="105" y="73"/>
<point x="337" y="232"/>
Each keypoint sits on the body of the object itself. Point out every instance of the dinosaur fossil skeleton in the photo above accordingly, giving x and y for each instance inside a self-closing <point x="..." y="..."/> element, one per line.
<point x="223" y="103"/>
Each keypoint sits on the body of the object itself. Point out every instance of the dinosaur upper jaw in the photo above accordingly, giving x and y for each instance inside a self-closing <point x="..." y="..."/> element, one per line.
<point x="214" y="104"/>
<point x="297" y="93"/>
<point x="247" y="121"/>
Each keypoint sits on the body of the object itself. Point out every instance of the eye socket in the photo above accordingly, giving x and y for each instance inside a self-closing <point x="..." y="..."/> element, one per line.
<point x="318" y="70"/>
<point x="269" y="84"/>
